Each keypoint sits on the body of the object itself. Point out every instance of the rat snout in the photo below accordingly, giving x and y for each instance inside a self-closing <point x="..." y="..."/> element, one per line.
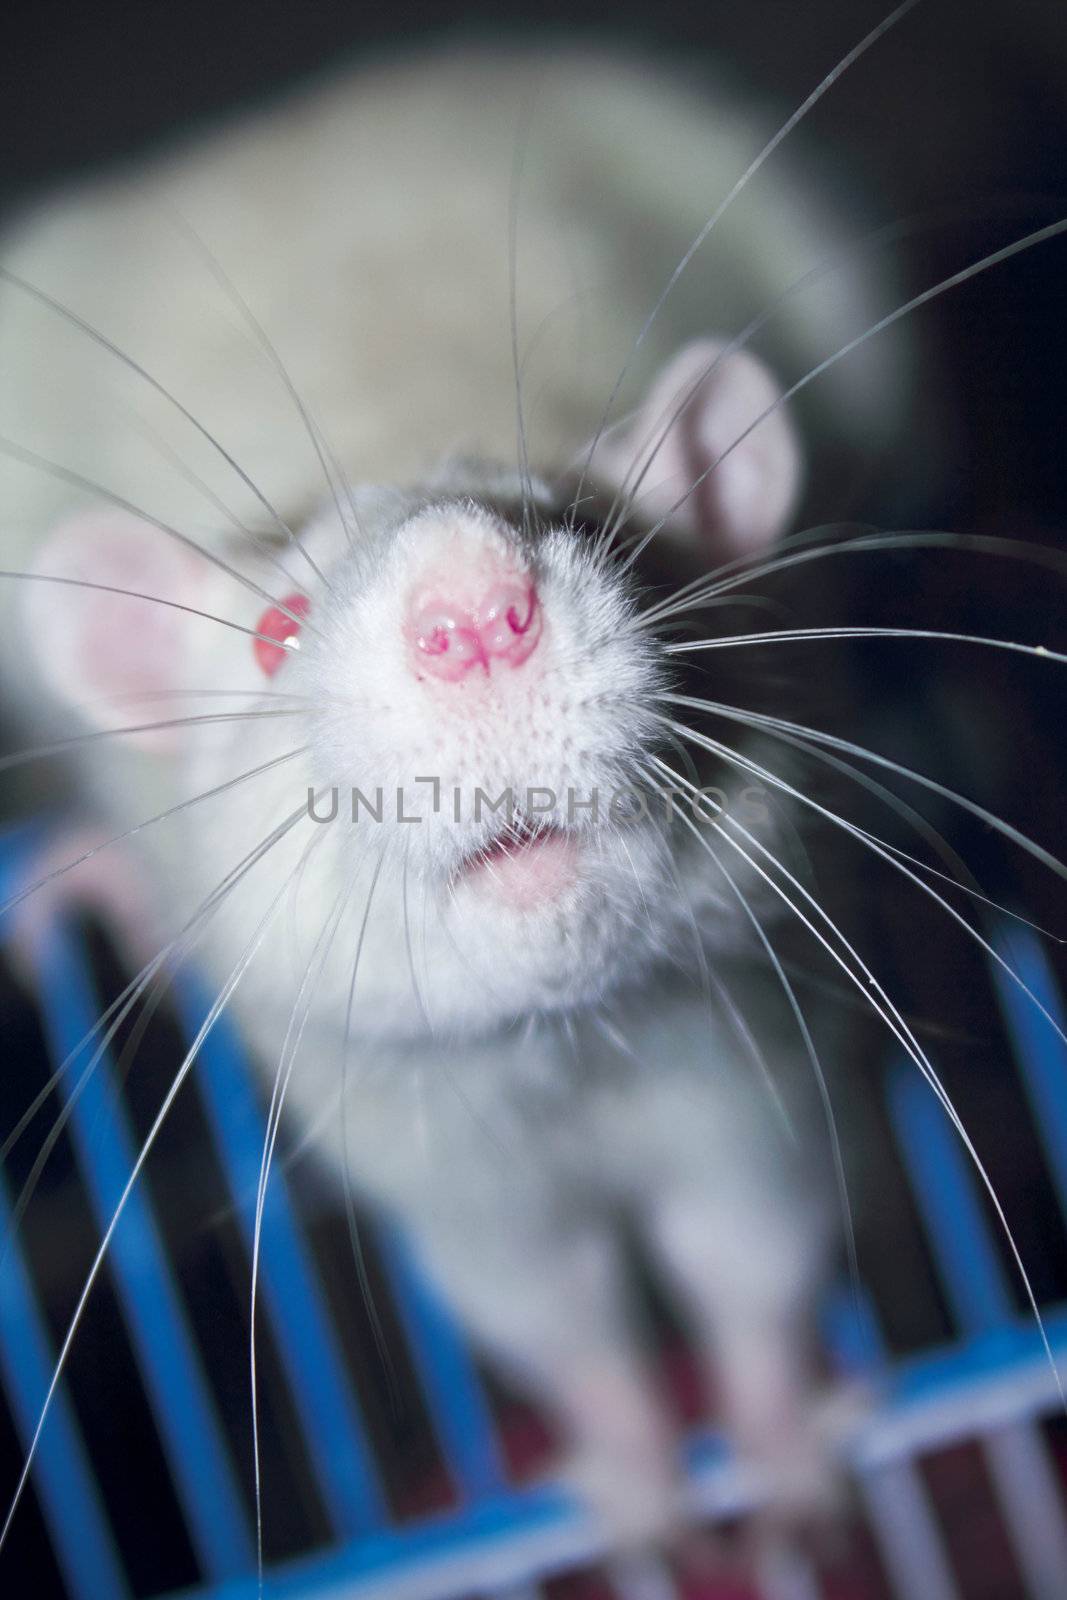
<point x="451" y="636"/>
<point x="474" y="608"/>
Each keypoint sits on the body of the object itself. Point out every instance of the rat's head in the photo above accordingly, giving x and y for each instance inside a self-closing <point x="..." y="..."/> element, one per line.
<point x="474" y="701"/>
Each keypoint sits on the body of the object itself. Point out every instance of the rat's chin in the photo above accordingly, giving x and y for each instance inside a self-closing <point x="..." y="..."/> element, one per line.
<point x="524" y="869"/>
<point x="545" y="920"/>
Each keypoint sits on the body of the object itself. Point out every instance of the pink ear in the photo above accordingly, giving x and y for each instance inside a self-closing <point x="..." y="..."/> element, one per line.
<point x="102" y="651"/>
<point x="695" y="418"/>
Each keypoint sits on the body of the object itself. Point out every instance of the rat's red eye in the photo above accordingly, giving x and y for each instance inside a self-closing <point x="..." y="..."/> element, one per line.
<point x="277" y="624"/>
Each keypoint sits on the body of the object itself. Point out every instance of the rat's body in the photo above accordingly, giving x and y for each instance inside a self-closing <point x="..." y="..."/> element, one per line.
<point x="540" y="1039"/>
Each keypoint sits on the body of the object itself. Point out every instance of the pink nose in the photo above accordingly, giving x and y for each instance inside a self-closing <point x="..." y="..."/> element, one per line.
<point x="504" y="626"/>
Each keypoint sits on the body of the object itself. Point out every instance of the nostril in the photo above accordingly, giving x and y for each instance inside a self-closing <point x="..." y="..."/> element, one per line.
<point x="505" y="626"/>
<point x="447" y="638"/>
<point x="506" y="615"/>
<point x="438" y="631"/>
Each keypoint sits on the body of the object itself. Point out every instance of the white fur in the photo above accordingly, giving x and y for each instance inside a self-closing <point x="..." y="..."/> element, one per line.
<point x="366" y="225"/>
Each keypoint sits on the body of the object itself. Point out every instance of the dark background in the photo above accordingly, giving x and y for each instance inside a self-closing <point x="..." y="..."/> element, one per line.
<point x="959" y="104"/>
<point x="962" y="106"/>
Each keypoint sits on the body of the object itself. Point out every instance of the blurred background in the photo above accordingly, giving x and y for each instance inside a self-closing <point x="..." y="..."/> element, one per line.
<point x="960" y="107"/>
<point x="959" y="113"/>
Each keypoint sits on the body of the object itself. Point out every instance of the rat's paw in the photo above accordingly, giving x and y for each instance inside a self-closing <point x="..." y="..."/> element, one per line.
<point x="635" y="1494"/>
<point x="805" y="1491"/>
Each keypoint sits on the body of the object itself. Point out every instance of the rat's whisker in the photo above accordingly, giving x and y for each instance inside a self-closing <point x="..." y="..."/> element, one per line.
<point x="522" y="137"/>
<point x="72" y="317"/>
<point x="745" y="763"/>
<point x="55" y="469"/>
<point x="174" y="952"/>
<point x="138" y="827"/>
<point x="865" y="981"/>
<point x="38" y="752"/>
<point x="167" y="453"/>
<point x="921" y="825"/>
<point x="725" y="579"/>
<point x="807" y="635"/>
<point x="646" y="454"/>
<point x="217" y="1008"/>
<point x="359" y="1256"/>
<point x="286" y="1058"/>
<point x="135" y="594"/>
<point x="848" y="747"/>
<point x="818" y="1071"/>
<point x="712" y="981"/>
<point x="1038" y="236"/>
<point x="136" y="696"/>
<point x="326" y="457"/>
<point x="416" y="988"/>
<point x="787" y="127"/>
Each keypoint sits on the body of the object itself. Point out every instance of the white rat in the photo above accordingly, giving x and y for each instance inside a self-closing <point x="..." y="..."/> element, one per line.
<point x="515" y="1035"/>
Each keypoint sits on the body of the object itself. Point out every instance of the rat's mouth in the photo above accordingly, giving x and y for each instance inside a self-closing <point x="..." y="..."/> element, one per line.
<point x="525" y="863"/>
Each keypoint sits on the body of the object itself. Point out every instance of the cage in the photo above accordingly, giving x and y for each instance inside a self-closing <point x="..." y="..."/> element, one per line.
<point x="961" y="1465"/>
